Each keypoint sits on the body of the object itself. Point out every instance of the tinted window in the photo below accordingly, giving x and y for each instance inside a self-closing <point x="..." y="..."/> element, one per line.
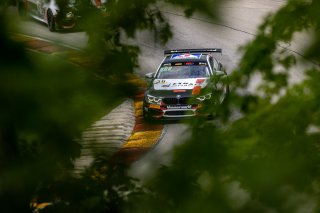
<point x="216" y="64"/>
<point x="183" y="70"/>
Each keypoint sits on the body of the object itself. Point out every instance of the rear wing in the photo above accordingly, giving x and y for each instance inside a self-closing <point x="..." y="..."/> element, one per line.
<point x="206" y="50"/>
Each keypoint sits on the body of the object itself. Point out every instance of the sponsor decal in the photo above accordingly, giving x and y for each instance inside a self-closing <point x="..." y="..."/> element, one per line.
<point x="179" y="107"/>
<point x="154" y="106"/>
<point x="166" y="85"/>
<point x="159" y="81"/>
<point x="182" y="84"/>
<point x="199" y="81"/>
<point x="178" y="84"/>
<point x="165" y="68"/>
<point x="197" y="88"/>
<point x="187" y="55"/>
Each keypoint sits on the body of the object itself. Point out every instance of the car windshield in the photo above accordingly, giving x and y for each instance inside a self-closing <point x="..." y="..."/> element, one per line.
<point x="183" y="70"/>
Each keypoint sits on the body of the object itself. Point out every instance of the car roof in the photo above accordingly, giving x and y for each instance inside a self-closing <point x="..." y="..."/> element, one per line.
<point x="183" y="55"/>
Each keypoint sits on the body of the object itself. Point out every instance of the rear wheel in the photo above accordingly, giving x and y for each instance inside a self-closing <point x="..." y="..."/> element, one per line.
<point x="51" y="21"/>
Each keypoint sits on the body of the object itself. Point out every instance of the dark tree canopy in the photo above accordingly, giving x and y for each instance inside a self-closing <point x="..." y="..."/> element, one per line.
<point x="265" y="161"/>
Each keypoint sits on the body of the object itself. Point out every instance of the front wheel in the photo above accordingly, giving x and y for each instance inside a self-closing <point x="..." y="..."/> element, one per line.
<point x="146" y="115"/>
<point x="51" y="21"/>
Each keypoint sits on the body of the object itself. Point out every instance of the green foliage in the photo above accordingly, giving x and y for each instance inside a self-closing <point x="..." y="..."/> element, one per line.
<point x="104" y="187"/>
<point x="207" y="7"/>
<point x="265" y="161"/>
<point x="43" y="101"/>
<point x="272" y="151"/>
<point x="260" y="55"/>
<point x="271" y="154"/>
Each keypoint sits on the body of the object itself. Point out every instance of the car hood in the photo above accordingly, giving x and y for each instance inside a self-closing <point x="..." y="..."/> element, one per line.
<point x="172" y="87"/>
<point x="179" y="84"/>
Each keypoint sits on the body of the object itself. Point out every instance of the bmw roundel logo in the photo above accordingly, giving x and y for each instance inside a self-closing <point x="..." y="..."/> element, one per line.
<point x="178" y="96"/>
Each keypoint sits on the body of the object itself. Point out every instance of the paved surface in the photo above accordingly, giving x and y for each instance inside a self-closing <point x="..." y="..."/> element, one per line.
<point x="121" y="135"/>
<point x="107" y="135"/>
<point x="145" y="137"/>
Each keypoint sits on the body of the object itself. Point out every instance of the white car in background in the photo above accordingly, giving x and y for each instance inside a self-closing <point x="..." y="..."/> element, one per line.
<point x="47" y="11"/>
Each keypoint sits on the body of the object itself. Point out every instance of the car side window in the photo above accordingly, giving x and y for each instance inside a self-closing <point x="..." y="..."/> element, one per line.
<point x="220" y="67"/>
<point x="213" y="69"/>
<point x="211" y="63"/>
<point x="216" y="65"/>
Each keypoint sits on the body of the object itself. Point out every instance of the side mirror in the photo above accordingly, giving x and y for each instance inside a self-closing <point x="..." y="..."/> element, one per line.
<point x="219" y="73"/>
<point x="149" y="75"/>
<point x="220" y="76"/>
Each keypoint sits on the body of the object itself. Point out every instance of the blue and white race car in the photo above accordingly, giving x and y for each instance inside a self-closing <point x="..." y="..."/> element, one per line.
<point x="183" y="83"/>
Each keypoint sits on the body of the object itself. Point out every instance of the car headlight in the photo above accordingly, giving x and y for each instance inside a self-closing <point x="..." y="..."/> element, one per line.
<point x="204" y="97"/>
<point x="153" y="99"/>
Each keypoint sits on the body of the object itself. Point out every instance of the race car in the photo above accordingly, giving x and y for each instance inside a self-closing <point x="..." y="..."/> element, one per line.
<point x="183" y="83"/>
<point x="47" y="11"/>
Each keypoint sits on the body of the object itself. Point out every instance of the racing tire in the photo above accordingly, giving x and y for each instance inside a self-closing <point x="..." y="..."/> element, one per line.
<point x="146" y="115"/>
<point x="51" y="21"/>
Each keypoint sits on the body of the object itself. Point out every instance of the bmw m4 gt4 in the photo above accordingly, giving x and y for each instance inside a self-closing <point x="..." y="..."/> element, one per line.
<point x="183" y="83"/>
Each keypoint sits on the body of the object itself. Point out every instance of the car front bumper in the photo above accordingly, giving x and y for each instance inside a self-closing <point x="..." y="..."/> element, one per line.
<point x="171" y="111"/>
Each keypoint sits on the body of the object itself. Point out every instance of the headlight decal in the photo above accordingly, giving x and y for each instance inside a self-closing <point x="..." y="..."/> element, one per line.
<point x="153" y="99"/>
<point x="204" y="97"/>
